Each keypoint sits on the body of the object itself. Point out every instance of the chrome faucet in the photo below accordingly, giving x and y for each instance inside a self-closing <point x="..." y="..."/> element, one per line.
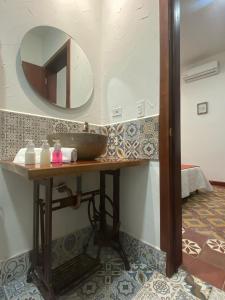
<point x="86" y="127"/>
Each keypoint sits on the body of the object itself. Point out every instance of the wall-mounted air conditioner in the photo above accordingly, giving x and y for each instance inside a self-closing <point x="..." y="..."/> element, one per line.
<point x="203" y="71"/>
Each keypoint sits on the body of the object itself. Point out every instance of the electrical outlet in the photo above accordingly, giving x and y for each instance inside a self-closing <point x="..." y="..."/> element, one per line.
<point x="117" y="111"/>
<point x="141" y="108"/>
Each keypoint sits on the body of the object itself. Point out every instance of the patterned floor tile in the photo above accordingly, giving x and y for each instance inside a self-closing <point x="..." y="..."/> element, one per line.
<point x="124" y="288"/>
<point x="160" y="286"/>
<point x="217" y="245"/>
<point x="2" y="294"/>
<point x="204" y="213"/>
<point x="217" y="294"/>
<point x="183" y="295"/>
<point x="140" y="272"/>
<point x="19" y="289"/>
<point x="31" y="294"/>
<point x="196" y="287"/>
<point x="190" y="247"/>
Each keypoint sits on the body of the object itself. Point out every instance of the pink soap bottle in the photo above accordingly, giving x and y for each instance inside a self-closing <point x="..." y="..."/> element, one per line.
<point x="57" y="153"/>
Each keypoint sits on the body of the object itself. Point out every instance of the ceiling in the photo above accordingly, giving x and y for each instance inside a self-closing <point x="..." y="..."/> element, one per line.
<point x="202" y="29"/>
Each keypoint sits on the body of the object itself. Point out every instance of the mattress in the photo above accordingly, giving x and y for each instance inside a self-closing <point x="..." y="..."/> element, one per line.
<point x="193" y="179"/>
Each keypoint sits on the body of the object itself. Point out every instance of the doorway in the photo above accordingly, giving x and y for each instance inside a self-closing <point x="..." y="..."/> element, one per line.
<point x="171" y="175"/>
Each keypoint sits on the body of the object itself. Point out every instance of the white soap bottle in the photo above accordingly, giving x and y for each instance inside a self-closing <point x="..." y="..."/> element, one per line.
<point x="30" y="153"/>
<point x="45" y="157"/>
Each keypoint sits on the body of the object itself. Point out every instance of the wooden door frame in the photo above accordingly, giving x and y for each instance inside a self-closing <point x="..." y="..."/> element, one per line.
<point x="169" y="135"/>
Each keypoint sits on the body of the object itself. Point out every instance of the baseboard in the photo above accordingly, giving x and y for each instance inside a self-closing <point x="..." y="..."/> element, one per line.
<point x="219" y="183"/>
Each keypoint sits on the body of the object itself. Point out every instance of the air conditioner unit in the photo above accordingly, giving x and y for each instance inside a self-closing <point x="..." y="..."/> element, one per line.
<point x="203" y="71"/>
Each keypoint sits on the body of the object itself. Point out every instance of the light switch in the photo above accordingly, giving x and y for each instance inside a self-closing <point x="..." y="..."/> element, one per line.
<point x="117" y="111"/>
<point x="141" y="108"/>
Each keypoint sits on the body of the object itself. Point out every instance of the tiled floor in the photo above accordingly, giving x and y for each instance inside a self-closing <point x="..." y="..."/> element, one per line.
<point x="113" y="282"/>
<point x="204" y="236"/>
<point x="204" y="213"/>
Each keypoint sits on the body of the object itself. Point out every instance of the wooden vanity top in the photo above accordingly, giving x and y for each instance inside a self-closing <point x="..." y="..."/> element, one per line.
<point x="33" y="172"/>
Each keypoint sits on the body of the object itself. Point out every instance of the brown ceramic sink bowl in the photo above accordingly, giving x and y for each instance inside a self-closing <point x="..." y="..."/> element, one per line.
<point x="89" y="145"/>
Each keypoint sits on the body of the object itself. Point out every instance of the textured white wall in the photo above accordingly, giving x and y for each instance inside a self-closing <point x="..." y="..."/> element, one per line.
<point x="130" y="57"/>
<point x="140" y="210"/>
<point x="202" y="136"/>
<point x="79" y="18"/>
<point x="130" y="72"/>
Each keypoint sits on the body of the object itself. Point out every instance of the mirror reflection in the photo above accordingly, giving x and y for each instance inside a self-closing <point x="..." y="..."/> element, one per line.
<point x="56" y="67"/>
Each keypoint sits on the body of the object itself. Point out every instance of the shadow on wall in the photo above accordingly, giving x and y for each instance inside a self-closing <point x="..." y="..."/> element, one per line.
<point x="40" y="102"/>
<point x="2" y="80"/>
<point x="140" y="203"/>
<point x="17" y="210"/>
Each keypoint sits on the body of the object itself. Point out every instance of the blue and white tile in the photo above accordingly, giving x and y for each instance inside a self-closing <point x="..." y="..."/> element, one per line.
<point x="162" y="288"/>
<point x="20" y="289"/>
<point x="115" y="147"/>
<point x="140" y="272"/>
<point x="149" y="128"/>
<point x="132" y="130"/>
<point x="124" y="288"/>
<point x="149" y="149"/>
<point x="217" y="294"/>
<point x="132" y="149"/>
<point x="2" y="294"/>
<point x="14" y="268"/>
<point x="148" y="255"/>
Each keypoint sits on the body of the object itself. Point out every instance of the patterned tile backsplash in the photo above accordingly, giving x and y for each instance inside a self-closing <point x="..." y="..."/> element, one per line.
<point x="16" y="128"/>
<point x="133" y="139"/>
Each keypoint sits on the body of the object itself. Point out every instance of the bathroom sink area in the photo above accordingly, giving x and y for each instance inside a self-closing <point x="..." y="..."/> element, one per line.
<point x="89" y="145"/>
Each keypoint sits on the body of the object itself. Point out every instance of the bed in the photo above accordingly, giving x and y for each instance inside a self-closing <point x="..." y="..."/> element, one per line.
<point x="192" y="180"/>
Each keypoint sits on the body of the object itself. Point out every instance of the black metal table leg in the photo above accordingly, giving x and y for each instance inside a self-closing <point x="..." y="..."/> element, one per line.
<point x="35" y="251"/>
<point x="105" y="237"/>
<point x="48" y="237"/>
<point x="102" y="202"/>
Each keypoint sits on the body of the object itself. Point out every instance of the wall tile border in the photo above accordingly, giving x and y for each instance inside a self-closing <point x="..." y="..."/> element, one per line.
<point x="140" y="251"/>
<point x="72" y="244"/>
<point x="132" y="139"/>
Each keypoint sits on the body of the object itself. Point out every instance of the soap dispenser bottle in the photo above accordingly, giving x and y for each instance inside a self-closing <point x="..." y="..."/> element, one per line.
<point x="30" y="153"/>
<point x="45" y="158"/>
<point x="57" y="153"/>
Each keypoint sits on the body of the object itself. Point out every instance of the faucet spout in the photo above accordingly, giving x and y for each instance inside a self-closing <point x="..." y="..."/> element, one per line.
<point x="86" y="127"/>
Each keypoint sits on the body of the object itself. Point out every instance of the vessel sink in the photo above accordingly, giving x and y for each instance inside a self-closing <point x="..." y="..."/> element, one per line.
<point x="89" y="145"/>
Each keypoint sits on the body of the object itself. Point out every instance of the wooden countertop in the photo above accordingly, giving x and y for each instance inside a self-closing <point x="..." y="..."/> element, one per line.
<point x="33" y="172"/>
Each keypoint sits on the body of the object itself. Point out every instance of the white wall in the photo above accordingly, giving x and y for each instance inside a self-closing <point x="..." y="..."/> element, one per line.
<point x="140" y="210"/>
<point x="130" y="57"/>
<point x="81" y="76"/>
<point x="130" y="72"/>
<point x="61" y="87"/>
<point x="32" y="49"/>
<point x="202" y="137"/>
<point x="79" y="18"/>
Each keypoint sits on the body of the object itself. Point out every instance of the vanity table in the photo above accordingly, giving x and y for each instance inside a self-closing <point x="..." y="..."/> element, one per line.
<point x="52" y="282"/>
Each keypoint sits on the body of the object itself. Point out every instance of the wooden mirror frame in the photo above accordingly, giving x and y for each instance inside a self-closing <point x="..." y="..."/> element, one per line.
<point x="44" y="79"/>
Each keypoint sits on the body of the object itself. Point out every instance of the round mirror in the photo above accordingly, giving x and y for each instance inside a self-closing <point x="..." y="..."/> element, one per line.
<point x="56" y="67"/>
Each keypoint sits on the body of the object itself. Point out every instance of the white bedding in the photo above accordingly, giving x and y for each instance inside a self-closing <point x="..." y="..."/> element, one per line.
<point x="193" y="179"/>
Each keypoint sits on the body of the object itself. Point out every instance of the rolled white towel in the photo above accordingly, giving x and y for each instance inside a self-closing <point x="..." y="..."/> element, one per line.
<point x="68" y="155"/>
